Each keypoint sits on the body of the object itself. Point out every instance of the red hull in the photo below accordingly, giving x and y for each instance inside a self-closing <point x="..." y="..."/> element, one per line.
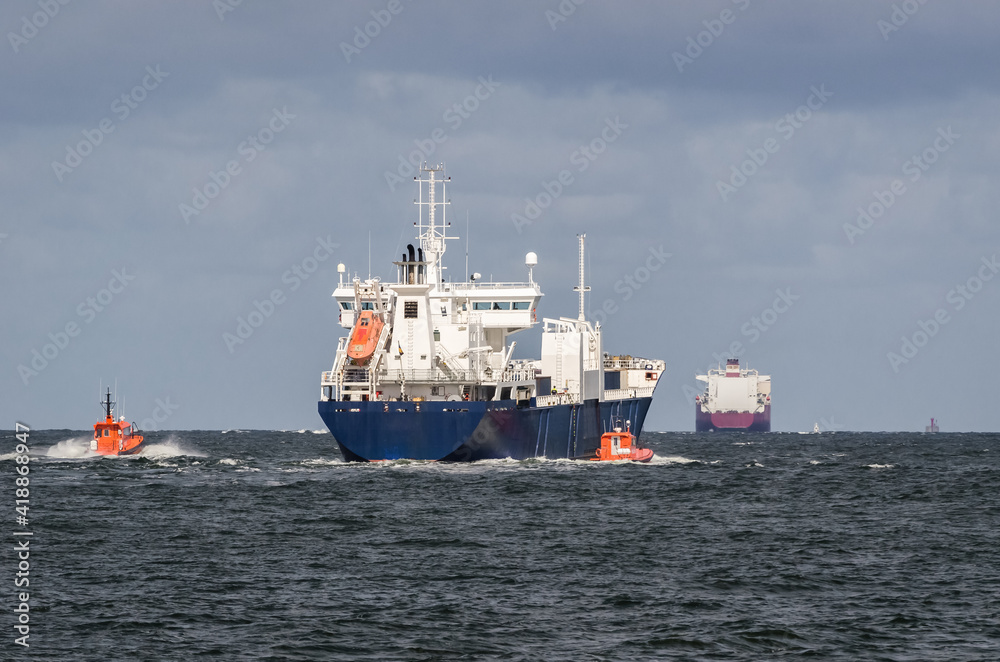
<point x="732" y="420"/>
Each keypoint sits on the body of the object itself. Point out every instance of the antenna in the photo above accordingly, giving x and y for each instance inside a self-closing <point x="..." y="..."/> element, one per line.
<point x="581" y="288"/>
<point x="466" y="241"/>
<point x="369" y="255"/>
<point x="433" y="233"/>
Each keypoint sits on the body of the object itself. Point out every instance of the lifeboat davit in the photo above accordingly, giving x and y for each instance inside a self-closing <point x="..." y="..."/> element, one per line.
<point x="113" y="437"/>
<point x="621" y="445"/>
<point x="364" y="336"/>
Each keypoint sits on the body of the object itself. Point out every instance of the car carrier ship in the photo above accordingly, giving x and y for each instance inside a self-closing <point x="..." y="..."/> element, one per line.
<point x="734" y="399"/>
<point x="427" y="370"/>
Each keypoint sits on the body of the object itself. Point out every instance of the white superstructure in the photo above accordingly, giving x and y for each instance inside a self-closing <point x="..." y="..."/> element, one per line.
<point x="444" y="340"/>
<point x="734" y="390"/>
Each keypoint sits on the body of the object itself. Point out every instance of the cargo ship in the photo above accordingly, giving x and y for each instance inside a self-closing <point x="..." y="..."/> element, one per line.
<point x="734" y="399"/>
<point x="427" y="370"/>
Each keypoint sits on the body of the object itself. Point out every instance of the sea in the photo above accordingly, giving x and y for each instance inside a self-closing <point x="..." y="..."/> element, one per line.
<point x="265" y="545"/>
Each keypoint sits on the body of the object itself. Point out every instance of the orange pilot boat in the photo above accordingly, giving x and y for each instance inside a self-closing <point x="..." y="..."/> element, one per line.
<point x="113" y="437"/>
<point x="621" y="445"/>
<point x="364" y="336"/>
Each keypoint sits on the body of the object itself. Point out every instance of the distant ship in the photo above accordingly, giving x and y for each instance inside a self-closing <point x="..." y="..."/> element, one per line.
<point x="427" y="370"/>
<point x="734" y="399"/>
<point x="932" y="427"/>
<point x="113" y="437"/>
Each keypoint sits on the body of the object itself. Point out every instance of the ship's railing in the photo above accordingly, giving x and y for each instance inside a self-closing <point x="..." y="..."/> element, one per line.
<point x="557" y="399"/>
<point x="518" y="375"/>
<point x="632" y="363"/>
<point x="479" y="285"/>
<point x="428" y="376"/>
<point x="627" y="393"/>
<point x="357" y="375"/>
<point x="328" y="379"/>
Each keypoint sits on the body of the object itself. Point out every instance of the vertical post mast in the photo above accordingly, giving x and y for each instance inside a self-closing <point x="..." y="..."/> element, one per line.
<point x="432" y="240"/>
<point x="582" y="287"/>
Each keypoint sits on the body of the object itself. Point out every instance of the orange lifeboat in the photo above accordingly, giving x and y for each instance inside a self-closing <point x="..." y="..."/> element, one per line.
<point x="113" y="437"/>
<point x="364" y="336"/>
<point x="621" y="445"/>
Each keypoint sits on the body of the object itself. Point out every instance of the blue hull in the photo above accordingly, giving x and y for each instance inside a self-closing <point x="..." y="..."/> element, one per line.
<point x="469" y="431"/>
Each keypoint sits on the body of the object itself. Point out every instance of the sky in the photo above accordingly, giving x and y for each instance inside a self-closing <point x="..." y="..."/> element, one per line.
<point x="806" y="186"/>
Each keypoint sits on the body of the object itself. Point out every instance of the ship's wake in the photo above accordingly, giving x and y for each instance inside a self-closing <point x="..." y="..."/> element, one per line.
<point x="169" y="447"/>
<point x="672" y="459"/>
<point x="71" y="449"/>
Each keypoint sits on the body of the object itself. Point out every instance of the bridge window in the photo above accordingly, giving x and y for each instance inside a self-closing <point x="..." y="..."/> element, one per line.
<point x="522" y="305"/>
<point x="481" y="305"/>
<point x="501" y="305"/>
<point x="347" y="305"/>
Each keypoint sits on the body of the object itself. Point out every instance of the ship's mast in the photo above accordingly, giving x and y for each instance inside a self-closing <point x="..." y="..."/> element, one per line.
<point x="433" y="234"/>
<point x="581" y="288"/>
<point x="107" y="404"/>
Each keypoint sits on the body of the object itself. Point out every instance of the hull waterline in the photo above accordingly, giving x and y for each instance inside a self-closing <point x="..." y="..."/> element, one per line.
<point x="470" y="431"/>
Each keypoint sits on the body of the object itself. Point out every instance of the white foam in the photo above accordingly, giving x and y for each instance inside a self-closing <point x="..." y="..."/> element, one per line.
<point x="322" y="462"/>
<point x="671" y="459"/>
<point x="170" y="447"/>
<point x="72" y="448"/>
<point x="881" y="466"/>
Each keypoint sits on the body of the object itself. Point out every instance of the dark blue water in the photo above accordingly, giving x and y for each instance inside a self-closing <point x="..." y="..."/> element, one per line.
<point x="264" y="545"/>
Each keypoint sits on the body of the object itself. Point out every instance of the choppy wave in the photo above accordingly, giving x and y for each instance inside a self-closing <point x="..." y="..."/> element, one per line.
<point x="172" y="446"/>
<point x="72" y="448"/>
<point x="269" y="545"/>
